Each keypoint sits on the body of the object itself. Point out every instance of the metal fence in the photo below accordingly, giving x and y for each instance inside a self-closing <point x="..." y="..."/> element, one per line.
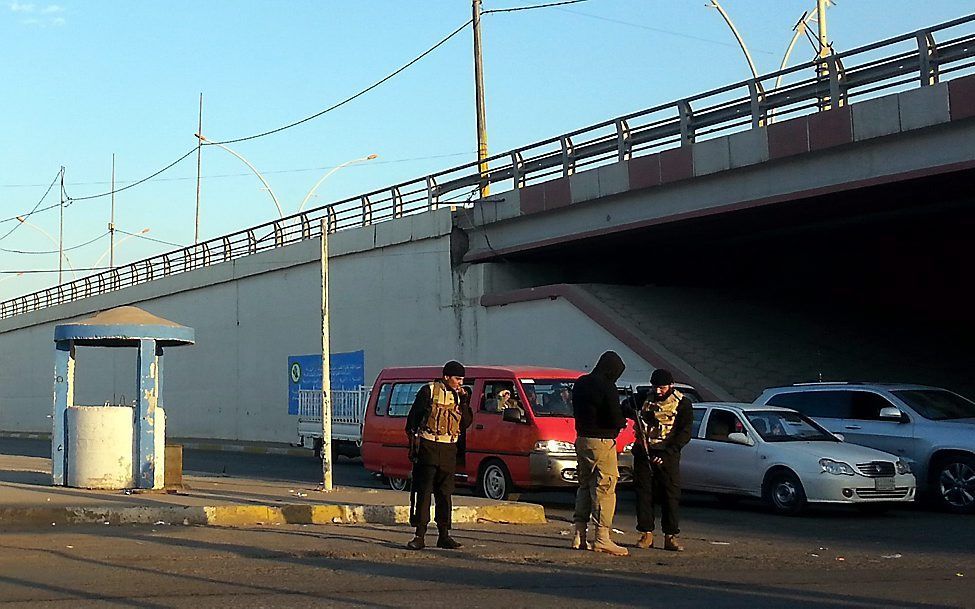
<point x="912" y="60"/>
<point x="348" y="405"/>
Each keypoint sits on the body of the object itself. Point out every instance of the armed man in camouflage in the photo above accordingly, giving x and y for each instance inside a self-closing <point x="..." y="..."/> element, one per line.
<point x="435" y="426"/>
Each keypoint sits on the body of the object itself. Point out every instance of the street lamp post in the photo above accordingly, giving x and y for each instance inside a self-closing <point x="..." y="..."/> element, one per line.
<point x="61" y="252"/>
<point x="252" y="168"/>
<point x="333" y="170"/>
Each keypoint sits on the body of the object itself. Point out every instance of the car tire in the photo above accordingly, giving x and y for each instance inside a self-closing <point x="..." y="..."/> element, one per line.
<point x="494" y="482"/>
<point x="953" y="483"/>
<point x="398" y="484"/>
<point x="784" y="492"/>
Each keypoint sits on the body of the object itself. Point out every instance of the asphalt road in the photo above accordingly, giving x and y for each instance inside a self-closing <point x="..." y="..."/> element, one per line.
<point x="736" y="557"/>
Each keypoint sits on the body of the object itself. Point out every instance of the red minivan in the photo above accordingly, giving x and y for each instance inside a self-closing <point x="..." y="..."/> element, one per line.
<point x="525" y="446"/>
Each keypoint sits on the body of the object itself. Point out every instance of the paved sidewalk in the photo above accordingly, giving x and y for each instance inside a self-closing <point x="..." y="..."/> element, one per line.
<point x="28" y="499"/>
<point x="215" y="445"/>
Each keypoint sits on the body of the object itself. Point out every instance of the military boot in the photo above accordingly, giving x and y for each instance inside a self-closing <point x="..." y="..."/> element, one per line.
<point x="605" y="544"/>
<point x="671" y="543"/>
<point x="646" y="541"/>
<point x="579" y="540"/>
<point x="447" y="542"/>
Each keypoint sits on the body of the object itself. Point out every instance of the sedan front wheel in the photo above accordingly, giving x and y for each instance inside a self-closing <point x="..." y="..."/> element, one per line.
<point x="785" y="494"/>
<point x="954" y="484"/>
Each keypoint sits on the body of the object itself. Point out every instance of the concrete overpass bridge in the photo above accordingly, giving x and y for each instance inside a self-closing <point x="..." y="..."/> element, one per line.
<point x="807" y="223"/>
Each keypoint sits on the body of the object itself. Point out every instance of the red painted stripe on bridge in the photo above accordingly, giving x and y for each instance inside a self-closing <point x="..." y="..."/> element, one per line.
<point x="830" y="128"/>
<point x="961" y="97"/>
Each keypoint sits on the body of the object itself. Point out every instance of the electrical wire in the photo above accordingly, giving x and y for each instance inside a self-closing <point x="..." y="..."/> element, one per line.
<point x="661" y="30"/>
<point x="67" y="249"/>
<point x="350" y="98"/>
<point x="33" y="211"/>
<point x="37" y="271"/>
<point x="528" y="8"/>
<point x="136" y="183"/>
<point x="119" y="230"/>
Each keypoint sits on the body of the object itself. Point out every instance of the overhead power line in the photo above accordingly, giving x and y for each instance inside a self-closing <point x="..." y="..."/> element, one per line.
<point x="33" y="211"/>
<point x="119" y="230"/>
<point x="36" y="271"/>
<point x="67" y="249"/>
<point x="529" y="8"/>
<point x="137" y="182"/>
<point x="351" y="97"/>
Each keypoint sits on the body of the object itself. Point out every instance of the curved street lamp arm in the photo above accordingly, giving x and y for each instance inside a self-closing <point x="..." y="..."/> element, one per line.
<point x="741" y="41"/>
<point x="252" y="168"/>
<point x="333" y="170"/>
<point x="52" y="240"/>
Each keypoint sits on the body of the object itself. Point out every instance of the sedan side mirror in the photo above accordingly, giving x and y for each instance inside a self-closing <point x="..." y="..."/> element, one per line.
<point x="839" y="437"/>
<point x="891" y="413"/>
<point x="512" y="415"/>
<point x="740" y="438"/>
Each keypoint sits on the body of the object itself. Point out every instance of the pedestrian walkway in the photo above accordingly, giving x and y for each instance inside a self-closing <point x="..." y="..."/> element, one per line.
<point x="28" y="499"/>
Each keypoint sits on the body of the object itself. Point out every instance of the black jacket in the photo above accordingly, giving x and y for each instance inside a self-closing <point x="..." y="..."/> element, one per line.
<point x="596" y="402"/>
<point x="420" y="412"/>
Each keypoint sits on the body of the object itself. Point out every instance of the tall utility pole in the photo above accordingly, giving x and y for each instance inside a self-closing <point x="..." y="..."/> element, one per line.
<point x="326" y="371"/>
<point x="199" y="148"/>
<point x="61" y="230"/>
<point x="482" y="145"/>
<point x="111" y="222"/>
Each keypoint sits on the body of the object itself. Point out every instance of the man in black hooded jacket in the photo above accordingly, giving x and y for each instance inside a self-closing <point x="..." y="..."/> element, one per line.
<point x="598" y="419"/>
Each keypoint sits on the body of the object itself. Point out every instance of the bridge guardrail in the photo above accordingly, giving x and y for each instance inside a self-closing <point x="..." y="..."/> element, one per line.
<point x="898" y="63"/>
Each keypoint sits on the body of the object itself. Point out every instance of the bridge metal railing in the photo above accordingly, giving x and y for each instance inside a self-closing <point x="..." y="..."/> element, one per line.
<point x="918" y="59"/>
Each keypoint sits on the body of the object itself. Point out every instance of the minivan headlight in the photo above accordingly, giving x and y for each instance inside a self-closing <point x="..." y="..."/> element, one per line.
<point x="903" y="467"/>
<point x="837" y="468"/>
<point x="555" y="446"/>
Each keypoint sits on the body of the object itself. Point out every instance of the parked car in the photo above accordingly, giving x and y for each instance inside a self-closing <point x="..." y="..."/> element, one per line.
<point x="786" y="459"/>
<point x="528" y="445"/>
<point x="932" y="427"/>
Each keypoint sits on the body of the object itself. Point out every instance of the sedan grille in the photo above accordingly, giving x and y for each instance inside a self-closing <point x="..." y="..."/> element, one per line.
<point x="868" y="493"/>
<point x="876" y="469"/>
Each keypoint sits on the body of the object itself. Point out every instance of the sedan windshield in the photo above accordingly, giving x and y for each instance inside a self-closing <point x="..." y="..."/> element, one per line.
<point x="549" y="398"/>
<point x="937" y="404"/>
<point x="775" y="426"/>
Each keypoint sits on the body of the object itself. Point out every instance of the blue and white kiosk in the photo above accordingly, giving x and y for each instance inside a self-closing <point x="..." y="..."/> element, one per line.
<point x="112" y="446"/>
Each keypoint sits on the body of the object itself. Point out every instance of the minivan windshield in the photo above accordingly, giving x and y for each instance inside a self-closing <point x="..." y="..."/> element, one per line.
<point x="776" y="426"/>
<point x="549" y="397"/>
<point x="937" y="404"/>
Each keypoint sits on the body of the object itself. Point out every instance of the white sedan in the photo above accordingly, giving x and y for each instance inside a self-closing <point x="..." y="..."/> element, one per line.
<point x="786" y="459"/>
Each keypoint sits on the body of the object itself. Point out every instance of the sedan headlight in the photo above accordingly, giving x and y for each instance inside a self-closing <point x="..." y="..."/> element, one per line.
<point x="903" y="467"/>
<point x="837" y="468"/>
<point x="555" y="446"/>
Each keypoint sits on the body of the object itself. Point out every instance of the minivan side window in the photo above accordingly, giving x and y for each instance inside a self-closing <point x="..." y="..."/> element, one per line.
<point x="822" y="404"/>
<point x="867" y="405"/>
<point x="402" y="398"/>
<point x="698" y="417"/>
<point x="382" y="400"/>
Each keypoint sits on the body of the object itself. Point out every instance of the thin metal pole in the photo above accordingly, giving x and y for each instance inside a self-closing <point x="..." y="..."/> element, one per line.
<point x="61" y="230"/>
<point x="482" y="145"/>
<point x="111" y="222"/>
<point x="326" y="371"/>
<point x="199" y="148"/>
<point x="825" y="102"/>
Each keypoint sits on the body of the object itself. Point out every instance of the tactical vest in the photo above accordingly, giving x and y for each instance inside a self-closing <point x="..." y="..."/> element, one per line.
<point x="444" y="418"/>
<point x="664" y="414"/>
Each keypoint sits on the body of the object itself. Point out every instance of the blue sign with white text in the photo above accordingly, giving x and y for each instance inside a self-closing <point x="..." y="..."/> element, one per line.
<point x="348" y="371"/>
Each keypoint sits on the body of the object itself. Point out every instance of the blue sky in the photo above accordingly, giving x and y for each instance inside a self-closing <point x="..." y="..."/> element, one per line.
<point x="84" y="80"/>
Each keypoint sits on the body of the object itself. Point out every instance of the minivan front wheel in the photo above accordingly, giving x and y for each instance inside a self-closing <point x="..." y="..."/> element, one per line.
<point x="495" y="482"/>
<point x="785" y="494"/>
<point x="398" y="484"/>
<point x="954" y="483"/>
